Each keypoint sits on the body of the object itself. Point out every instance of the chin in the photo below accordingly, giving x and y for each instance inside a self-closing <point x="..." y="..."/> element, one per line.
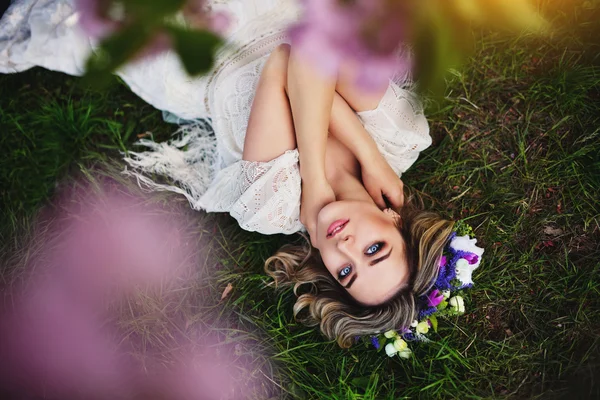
<point x="331" y="212"/>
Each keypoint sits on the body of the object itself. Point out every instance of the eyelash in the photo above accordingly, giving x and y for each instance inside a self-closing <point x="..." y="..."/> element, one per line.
<point x="378" y="246"/>
<point x="341" y="274"/>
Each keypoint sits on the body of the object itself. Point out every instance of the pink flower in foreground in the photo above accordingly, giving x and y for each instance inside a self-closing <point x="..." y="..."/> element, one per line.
<point x="101" y="18"/>
<point x="365" y="34"/>
<point x="61" y="338"/>
<point x="94" y="17"/>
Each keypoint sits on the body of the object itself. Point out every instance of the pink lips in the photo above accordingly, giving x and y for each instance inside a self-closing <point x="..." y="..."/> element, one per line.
<point x="336" y="227"/>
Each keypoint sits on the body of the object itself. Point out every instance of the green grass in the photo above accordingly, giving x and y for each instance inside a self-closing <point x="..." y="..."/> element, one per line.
<point x="516" y="152"/>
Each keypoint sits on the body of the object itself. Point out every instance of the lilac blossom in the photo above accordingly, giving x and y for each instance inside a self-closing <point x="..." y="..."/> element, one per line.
<point x="365" y="34"/>
<point x="60" y="337"/>
<point x="101" y="18"/>
<point x="94" y="18"/>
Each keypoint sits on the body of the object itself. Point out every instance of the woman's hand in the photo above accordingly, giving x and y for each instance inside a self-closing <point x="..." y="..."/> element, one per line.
<point x="382" y="183"/>
<point x="316" y="194"/>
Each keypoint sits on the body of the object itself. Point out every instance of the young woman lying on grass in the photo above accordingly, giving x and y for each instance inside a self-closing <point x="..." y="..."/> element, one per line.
<point x="293" y="151"/>
<point x="369" y="262"/>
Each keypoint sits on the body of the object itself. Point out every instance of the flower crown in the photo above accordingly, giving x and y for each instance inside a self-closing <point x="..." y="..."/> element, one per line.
<point x="459" y="259"/>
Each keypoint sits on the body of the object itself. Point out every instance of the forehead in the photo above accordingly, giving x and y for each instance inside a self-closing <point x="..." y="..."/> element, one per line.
<point x="377" y="284"/>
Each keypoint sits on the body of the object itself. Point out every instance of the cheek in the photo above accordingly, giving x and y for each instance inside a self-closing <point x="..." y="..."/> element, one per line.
<point x="331" y="261"/>
<point x="376" y="226"/>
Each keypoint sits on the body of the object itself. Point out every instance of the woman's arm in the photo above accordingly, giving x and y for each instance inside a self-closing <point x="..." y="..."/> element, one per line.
<point x="311" y="99"/>
<point x="270" y="131"/>
<point x="379" y="179"/>
<point x="347" y="128"/>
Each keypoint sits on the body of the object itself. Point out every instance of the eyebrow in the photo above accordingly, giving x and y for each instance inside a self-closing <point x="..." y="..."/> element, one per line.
<point x="351" y="282"/>
<point x="380" y="259"/>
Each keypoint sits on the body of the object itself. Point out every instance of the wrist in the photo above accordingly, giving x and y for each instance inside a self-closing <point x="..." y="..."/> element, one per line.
<point x="367" y="154"/>
<point x="312" y="171"/>
<point x="313" y="182"/>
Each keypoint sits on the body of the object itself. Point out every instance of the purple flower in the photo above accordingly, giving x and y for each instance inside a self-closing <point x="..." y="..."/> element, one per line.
<point x="446" y="274"/>
<point x="427" y="312"/>
<point x="375" y="342"/>
<point x="363" y="34"/>
<point x="409" y="336"/>
<point x="443" y="261"/>
<point x="471" y="258"/>
<point x="434" y="298"/>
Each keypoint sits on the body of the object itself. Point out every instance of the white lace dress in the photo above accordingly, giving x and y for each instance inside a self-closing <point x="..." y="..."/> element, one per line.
<point x="207" y="167"/>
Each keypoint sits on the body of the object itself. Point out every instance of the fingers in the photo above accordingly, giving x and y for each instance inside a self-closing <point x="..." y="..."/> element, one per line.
<point x="375" y="193"/>
<point x="395" y="196"/>
<point x="378" y="199"/>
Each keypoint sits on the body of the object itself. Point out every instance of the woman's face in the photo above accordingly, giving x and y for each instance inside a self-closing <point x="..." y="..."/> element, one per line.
<point x="362" y="248"/>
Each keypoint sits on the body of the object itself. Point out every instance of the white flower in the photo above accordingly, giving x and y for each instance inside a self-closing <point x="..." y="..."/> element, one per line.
<point x="446" y="294"/>
<point x="464" y="270"/>
<point x="390" y="350"/>
<point x="458" y="303"/>
<point x="400" y="344"/>
<point x="414" y="323"/>
<point x="390" y="334"/>
<point x="405" y="353"/>
<point x="423" y="327"/>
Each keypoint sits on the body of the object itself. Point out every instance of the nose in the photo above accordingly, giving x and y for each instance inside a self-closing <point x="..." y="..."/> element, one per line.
<point x="345" y="244"/>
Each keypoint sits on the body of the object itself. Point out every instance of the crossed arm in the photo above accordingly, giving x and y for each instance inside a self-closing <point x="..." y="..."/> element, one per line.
<point x="317" y="109"/>
<point x="295" y="107"/>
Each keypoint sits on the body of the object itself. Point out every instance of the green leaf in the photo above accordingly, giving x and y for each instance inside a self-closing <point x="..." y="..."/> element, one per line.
<point x="195" y="48"/>
<point x="153" y="9"/>
<point x="442" y="305"/>
<point x="361" y="382"/>
<point x="462" y="228"/>
<point x="382" y="341"/>
<point x="434" y="322"/>
<point x="297" y="391"/>
<point x="115" y="50"/>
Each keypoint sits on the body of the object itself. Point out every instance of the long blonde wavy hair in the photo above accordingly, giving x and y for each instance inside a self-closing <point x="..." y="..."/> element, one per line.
<point x="321" y="300"/>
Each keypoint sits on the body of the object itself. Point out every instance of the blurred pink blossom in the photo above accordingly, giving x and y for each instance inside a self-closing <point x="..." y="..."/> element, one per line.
<point x="365" y="34"/>
<point x="58" y="337"/>
<point x="101" y="18"/>
<point x="53" y="343"/>
<point x="94" y="17"/>
<point x="219" y="22"/>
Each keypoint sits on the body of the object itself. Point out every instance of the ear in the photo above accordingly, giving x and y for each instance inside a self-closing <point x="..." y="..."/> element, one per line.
<point x="394" y="215"/>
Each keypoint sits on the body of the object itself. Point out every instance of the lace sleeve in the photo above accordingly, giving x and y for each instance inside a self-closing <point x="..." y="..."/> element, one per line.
<point x="262" y="196"/>
<point x="399" y="127"/>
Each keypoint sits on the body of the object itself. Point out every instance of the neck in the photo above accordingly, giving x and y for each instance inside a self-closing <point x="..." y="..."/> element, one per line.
<point x="348" y="186"/>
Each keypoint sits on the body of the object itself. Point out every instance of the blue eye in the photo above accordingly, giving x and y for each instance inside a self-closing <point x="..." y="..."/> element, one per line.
<point x="374" y="248"/>
<point x="344" y="272"/>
